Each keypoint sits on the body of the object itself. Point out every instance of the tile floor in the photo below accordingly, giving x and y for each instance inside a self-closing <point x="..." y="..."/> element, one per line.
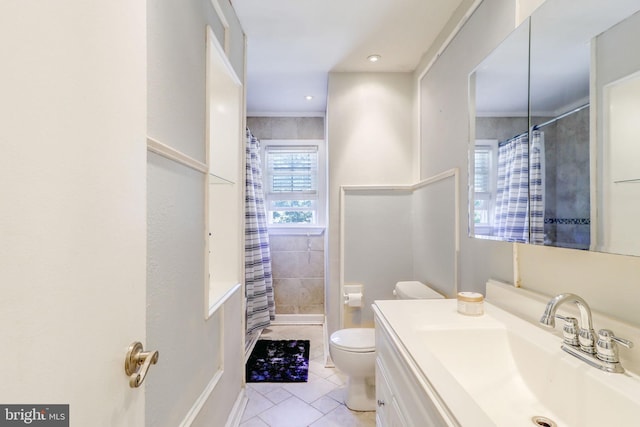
<point x="316" y="403"/>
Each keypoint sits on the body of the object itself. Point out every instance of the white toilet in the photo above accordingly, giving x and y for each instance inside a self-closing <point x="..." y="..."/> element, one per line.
<point x="353" y="351"/>
<point x="414" y="290"/>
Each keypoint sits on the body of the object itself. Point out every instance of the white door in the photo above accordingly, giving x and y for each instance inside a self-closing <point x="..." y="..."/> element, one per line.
<point x="72" y="206"/>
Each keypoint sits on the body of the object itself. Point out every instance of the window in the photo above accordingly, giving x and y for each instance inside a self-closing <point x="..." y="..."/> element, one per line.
<point x="484" y="185"/>
<point x="293" y="173"/>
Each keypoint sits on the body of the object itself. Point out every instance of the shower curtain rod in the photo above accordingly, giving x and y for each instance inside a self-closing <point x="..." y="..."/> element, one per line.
<point x="561" y="116"/>
<point x="501" y="143"/>
<point x="548" y="122"/>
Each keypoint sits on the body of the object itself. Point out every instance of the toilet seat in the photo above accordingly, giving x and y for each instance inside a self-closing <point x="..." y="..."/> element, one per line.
<point x="356" y="340"/>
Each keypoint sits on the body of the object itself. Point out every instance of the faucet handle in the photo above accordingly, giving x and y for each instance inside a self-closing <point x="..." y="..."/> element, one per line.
<point x="607" y="348"/>
<point x="569" y="330"/>
<point x="572" y="335"/>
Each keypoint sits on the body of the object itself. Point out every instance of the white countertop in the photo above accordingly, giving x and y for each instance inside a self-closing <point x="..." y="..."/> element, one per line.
<point x="405" y="317"/>
<point x="480" y="392"/>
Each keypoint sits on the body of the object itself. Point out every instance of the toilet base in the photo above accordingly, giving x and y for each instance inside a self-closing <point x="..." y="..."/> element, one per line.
<point x="361" y="394"/>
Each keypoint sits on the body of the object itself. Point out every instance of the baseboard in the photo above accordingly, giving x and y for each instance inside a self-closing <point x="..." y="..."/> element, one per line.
<point x="298" y="319"/>
<point x="238" y="409"/>
<point x="328" y="363"/>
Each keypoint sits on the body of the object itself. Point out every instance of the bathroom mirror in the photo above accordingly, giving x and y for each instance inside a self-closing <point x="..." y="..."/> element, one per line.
<point x="499" y="89"/>
<point x="576" y="195"/>
<point x="617" y="66"/>
<point x="560" y="55"/>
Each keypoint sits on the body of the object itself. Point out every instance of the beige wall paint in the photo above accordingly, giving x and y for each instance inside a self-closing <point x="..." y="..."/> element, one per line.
<point x="609" y="283"/>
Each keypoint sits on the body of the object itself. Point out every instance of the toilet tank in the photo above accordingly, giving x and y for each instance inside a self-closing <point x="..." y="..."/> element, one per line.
<point x="415" y="290"/>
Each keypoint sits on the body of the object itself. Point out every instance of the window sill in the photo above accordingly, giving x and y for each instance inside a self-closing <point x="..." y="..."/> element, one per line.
<point x="295" y="231"/>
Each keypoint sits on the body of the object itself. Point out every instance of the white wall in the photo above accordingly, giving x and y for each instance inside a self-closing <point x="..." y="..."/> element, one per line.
<point x="389" y="235"/>
<point x="369" y="135"/>
<point x="176" y="34"/>
<point x="175" y="318"/>
<point x="444" y="128"/>
<point x="192" y="349"/>
<point x="608" y="282"/>
<point x="377" y="247"/>
<point x="434" y="236"/>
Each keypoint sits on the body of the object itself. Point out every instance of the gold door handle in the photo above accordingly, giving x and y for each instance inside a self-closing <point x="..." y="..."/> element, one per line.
<point x="137" y="363"/>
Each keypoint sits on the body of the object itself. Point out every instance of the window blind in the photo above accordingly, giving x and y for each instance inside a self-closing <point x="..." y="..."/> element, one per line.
<point x="482" y="177"/>
<point x="292" y="169"/>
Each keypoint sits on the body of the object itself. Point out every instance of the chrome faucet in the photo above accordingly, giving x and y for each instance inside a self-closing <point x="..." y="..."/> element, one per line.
<point x="580" y="341"/>
<point x="586" y="334"/>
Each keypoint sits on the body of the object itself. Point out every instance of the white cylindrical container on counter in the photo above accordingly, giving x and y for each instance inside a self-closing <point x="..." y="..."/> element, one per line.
<point x="470" y="303"/>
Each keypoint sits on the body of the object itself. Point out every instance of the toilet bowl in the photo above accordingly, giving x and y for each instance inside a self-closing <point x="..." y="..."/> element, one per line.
<point x="353" y="351"/>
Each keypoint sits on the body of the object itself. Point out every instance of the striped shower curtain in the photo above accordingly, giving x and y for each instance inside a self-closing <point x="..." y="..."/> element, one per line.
<point x="512" y="199"/>
<point x="536" y="188"/>
<point x="257" y="264"/>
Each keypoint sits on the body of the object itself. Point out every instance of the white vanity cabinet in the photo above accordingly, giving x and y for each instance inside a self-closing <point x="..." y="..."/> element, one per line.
<point x="401" y="399"/>
<point x="387" y="412"/>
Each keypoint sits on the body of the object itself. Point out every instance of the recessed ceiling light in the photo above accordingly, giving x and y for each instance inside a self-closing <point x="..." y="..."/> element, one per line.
<point x="374" y="58"/>
<point x="308" y="97"/>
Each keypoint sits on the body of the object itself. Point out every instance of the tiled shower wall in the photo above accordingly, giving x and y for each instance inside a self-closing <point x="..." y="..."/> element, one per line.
<point x="567" y="189"/>
<point x="297" y="260"/>
<point x="286" y="127"/>
<point x="298" y="273"/>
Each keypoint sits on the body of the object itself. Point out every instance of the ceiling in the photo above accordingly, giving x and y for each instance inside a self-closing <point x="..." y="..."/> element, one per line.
<point x="292" y="45"/>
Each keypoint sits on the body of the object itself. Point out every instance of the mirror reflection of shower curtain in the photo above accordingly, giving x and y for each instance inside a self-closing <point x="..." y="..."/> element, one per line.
<point x="257" y="264"/>
<point x="536" y="188"/>
<point x="512" y="195"/>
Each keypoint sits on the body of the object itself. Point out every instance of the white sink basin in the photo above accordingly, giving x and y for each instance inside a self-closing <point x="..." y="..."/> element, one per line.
<point x="510" y="369"/>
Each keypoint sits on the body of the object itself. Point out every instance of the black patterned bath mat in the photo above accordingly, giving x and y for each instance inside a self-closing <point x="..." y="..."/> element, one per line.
<point x="278" y="361"/>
